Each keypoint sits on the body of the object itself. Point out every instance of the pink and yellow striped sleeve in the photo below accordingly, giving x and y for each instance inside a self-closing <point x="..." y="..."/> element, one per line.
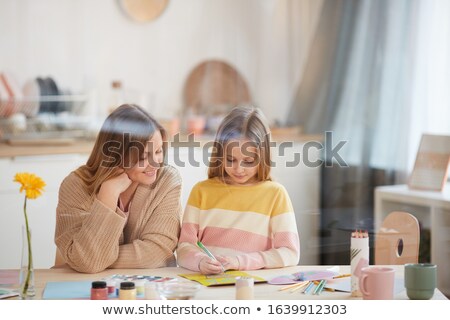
<point x="188" y="254"/>
<point x="285" y="240"/>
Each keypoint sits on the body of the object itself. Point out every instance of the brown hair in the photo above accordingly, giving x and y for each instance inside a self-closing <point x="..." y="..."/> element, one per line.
<point x="243" y="122"/>
<point x="120" y="142"/>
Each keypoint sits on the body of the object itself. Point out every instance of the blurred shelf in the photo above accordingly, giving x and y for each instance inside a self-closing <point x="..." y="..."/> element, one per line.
<point x="33" y="149"/>
<point x="51" y="144"/>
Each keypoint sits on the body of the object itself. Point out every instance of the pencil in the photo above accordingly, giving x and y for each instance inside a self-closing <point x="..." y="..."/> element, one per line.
<point x="298" y="284"/>
<point x="317" y="287"/>
<point x="342" y="276"/>
<point x="316" y="282"/>
<point x="311" y="284"/>
<point x="322" y="287"/>
<point x="299" y="287"/>
<point x="208" y="253"/>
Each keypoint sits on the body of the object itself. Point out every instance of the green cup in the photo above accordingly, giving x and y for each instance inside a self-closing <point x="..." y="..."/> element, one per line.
<point x="420" y="280"/>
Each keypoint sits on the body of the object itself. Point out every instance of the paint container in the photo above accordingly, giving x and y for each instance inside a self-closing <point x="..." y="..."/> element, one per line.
<point x="150" y="291"/>
<point x="118" y="282"/>
<point x="99" y="291"/>
<point x="140" y="287"/>
<point x="127" y="291"/>
<point x="111" y="285"/>
<point x="244" y="288"/>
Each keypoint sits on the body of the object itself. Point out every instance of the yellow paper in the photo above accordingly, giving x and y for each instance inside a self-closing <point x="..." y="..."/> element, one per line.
<point x="229" y="277"/>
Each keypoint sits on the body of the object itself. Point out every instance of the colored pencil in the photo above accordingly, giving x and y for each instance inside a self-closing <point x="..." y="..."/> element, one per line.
<point x="208" y="253"/>
<point x="309" y="287"/>
<point x="322" y="286"/>
<point x="299" y="287"/>
<point x="293" y="285"/>
<point x="317" y="287"/>
<point x="342" y="276"/>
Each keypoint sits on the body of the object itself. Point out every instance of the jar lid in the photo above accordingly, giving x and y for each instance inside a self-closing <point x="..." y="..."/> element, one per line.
<point x="140" y="282"/>
<point x="98" y="285"/>
<point x="127" y="285"/>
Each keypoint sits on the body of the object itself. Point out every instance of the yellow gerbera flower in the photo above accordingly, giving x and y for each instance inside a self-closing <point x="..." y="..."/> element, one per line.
<point x="31" y="183"/>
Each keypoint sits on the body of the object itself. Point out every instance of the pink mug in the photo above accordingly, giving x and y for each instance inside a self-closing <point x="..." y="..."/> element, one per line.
<point x="377" y="283"/>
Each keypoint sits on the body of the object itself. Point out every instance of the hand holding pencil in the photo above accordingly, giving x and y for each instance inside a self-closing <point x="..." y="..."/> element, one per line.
<point x="210" y="264"/>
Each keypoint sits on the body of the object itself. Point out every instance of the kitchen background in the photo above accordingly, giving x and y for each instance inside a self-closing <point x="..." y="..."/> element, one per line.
<point x="375" y="73"/>
<point x="85" y="45"/>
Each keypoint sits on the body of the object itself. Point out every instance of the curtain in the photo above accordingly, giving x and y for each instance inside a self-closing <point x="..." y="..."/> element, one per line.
<point x="357" y="84"/>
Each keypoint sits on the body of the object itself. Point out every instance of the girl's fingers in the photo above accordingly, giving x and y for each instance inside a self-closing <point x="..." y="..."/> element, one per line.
<point x="213" y="268"/>
<point x="210" y="266"/>
<point x="214" y="263"/>
<point x="222" y="259"/>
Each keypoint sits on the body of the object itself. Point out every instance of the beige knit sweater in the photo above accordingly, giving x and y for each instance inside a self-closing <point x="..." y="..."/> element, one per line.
<point x="91" y="237"/>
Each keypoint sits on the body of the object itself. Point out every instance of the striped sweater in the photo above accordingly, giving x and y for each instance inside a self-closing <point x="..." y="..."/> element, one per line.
<point x="91" y="237"/>
<point x="254" y="223"/>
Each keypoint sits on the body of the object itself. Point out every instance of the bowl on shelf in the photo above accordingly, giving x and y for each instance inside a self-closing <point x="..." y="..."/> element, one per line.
<point x="177" y="289"/>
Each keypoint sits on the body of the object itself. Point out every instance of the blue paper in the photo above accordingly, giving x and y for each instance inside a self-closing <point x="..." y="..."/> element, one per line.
<point x="67" y="290"/>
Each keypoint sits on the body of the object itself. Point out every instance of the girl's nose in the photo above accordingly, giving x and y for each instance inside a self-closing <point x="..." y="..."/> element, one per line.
<point x="239" y="167"/>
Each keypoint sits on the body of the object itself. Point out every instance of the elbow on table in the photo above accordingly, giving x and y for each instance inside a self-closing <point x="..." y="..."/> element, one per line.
<point x="87" y="269"/>
<point x="295" y="260"/>
<point x="290" y="257"/>
<point x="294" y="257"/>
<point x="86" y="265"/>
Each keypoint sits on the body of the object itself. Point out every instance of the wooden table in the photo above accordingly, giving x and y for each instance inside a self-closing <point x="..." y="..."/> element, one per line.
<point x="262" y="291"/>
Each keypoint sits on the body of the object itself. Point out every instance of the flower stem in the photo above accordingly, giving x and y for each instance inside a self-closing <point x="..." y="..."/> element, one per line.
<point x="30" y="255"/>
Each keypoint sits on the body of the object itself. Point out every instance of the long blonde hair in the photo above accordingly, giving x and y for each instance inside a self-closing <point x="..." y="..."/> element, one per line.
<point x="243" y="122"/>
<point x="120" y="142"/>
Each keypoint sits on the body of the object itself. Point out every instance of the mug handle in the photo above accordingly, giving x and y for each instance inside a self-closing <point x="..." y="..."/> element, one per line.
<point x="362" y="284"/>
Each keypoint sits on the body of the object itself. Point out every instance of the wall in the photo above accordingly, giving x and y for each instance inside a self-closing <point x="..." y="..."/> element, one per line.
<point x="86" y="44"/>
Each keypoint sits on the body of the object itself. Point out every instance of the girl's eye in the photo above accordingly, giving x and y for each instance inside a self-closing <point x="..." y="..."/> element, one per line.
<point x="230" y="159"/>
<point x="159" y="151"/>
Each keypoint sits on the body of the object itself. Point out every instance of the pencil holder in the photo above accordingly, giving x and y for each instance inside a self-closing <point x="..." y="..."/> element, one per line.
<point x="359" y="258"/>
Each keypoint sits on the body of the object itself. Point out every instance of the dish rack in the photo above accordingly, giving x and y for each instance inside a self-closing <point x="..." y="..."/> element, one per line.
<point x="45" y="117"/>
<point x="30" y="106"/>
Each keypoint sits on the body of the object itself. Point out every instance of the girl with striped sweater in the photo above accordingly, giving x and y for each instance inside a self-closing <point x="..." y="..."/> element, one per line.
<point x="243" y="217"/>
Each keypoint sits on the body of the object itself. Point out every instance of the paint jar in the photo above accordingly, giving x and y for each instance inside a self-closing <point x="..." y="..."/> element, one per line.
<point x="111" y="285"/>
<point x="140" y="287"/>
<point x="99" y="291"/>
<point x="150" y="291"/>
<point x="118" y="282"/>
<point x="127" y="291"/>
<point x="244" y="288"/>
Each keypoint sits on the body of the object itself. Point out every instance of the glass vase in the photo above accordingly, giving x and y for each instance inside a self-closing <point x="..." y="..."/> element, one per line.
<point x="26" y="279"/>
